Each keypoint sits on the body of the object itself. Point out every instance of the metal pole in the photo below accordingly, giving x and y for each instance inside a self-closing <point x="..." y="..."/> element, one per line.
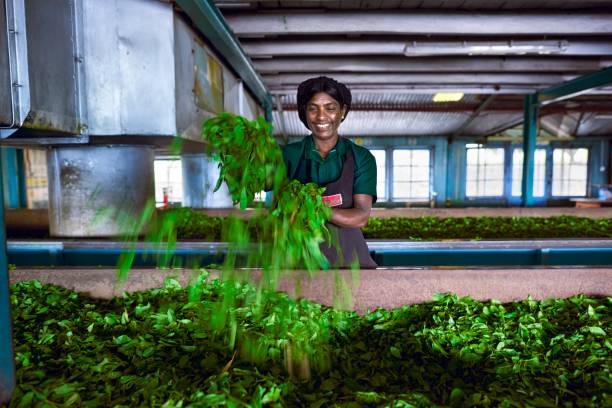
<point x="530" y="127"/>
<point x="281" y="119"/>
<point x="21" y="179"/>
<point x="12" y="170"/>
<point x="267" y="105"/>
<point x="7" y="360"/>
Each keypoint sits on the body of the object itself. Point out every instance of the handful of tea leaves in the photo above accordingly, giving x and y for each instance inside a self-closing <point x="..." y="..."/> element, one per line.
<point x="249" y="158"/>
<point x="250" y="161"/>
<point x="297" y="225"/>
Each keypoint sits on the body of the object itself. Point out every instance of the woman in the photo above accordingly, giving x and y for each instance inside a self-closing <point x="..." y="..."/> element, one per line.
<point x="346" y="170"/>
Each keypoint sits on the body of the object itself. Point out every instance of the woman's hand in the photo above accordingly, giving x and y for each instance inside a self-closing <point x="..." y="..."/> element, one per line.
<point x="356" y="217"/>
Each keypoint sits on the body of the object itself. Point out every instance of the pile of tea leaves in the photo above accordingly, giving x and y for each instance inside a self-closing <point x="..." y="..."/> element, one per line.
<point x="164" y="348"/>
<point x="194" y="224"/>
<point x="425" y="228"/>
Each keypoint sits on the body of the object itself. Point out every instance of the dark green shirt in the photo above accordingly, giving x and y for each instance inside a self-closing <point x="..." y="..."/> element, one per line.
<point x="324" y="171"/>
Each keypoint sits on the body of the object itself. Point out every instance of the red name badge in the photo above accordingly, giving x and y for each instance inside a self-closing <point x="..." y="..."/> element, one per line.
<point x="332" y="200"/>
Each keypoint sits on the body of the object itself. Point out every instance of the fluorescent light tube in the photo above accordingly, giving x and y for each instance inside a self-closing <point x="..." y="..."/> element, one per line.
<point x="448" y="97"/>
<point x="603" y="116"/>
<point x="417" y="49"/>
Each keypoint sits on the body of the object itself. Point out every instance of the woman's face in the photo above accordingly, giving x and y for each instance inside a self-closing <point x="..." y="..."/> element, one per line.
<point x="324" y="115"/>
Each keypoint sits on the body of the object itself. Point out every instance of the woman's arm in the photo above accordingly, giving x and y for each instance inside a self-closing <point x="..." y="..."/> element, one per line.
<point x="356" y="217"/>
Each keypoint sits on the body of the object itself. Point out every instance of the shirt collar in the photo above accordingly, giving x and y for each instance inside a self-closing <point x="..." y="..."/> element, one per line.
<point x="310" y="152"/>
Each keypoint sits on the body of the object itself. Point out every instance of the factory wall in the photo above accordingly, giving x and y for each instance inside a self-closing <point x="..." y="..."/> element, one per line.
<point x="597" y="170"/>
<point x="448" y="170"/>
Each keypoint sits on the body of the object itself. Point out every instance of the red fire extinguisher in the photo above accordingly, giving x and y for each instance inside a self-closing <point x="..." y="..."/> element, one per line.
<point x="166" y="197"/>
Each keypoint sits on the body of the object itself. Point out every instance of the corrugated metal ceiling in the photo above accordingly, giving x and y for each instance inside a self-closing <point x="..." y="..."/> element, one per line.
<point x="363" y="43"/>
<point x="392" y="123"/>
<point x="376" y="100"/>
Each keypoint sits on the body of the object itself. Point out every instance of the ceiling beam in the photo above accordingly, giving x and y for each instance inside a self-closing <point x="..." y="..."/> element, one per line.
<point x="284" y="48"/>
<point x="576" y="87"/>
<point x="431" y="89"/>
<point x="558" y="129"/>
<point x="474" y="115"/>
<point x="467" y="109"/>
<point x="420" y="23"/>
<point x="515" y="121"/>
<point x="536" y="80"/>
<point x="431" y="64"/>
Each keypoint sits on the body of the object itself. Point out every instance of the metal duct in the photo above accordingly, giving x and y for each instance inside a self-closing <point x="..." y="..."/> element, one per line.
<point x="14" y="81"/>
<point x="105" y="71"/>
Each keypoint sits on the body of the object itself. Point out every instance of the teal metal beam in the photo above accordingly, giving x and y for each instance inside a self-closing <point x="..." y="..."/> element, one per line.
<point x="209" y="20"/>
<point x="530" y="128"/>
<point x="13" y="180"/>
<point x="547" y="96"/>
<point x="7" y="357"/>
<point x="560" y="252"/>
<point x="575" y="87"/>
<point x="556" y="93"/>
<point x="267" y="105"/>
<point x="21" y="178"/>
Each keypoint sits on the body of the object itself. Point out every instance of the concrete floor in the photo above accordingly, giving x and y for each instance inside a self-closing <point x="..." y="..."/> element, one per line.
<point x="386" y="288"/>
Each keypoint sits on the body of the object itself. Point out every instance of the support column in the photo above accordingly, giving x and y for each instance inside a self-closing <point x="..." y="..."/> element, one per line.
<point x="7" y="357"/>
<point x="530" y="128"/>
<point x="200" y="175"/>
<point x="268" y="108"/>
<point x="13" y="177"/>
<point x="94" y="191"/>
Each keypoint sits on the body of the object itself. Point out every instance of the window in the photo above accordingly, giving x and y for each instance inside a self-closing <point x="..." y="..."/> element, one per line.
<point x="168" y="180"/>
<point x="570" y="172"/>
<point x="485" y="171"/>
<point x="260" y="197"/>
<point x="411" y="178"/>
<point x="539" y="172"/>
<point x="381" y="173"/>
<point x="35" y="164"/>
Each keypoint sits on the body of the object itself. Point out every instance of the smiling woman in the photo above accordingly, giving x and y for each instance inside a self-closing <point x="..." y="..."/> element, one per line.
<point x="347" y="171"/>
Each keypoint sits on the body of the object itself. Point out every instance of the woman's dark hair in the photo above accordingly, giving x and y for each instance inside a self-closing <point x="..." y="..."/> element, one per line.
<point x="330" y="86"/>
